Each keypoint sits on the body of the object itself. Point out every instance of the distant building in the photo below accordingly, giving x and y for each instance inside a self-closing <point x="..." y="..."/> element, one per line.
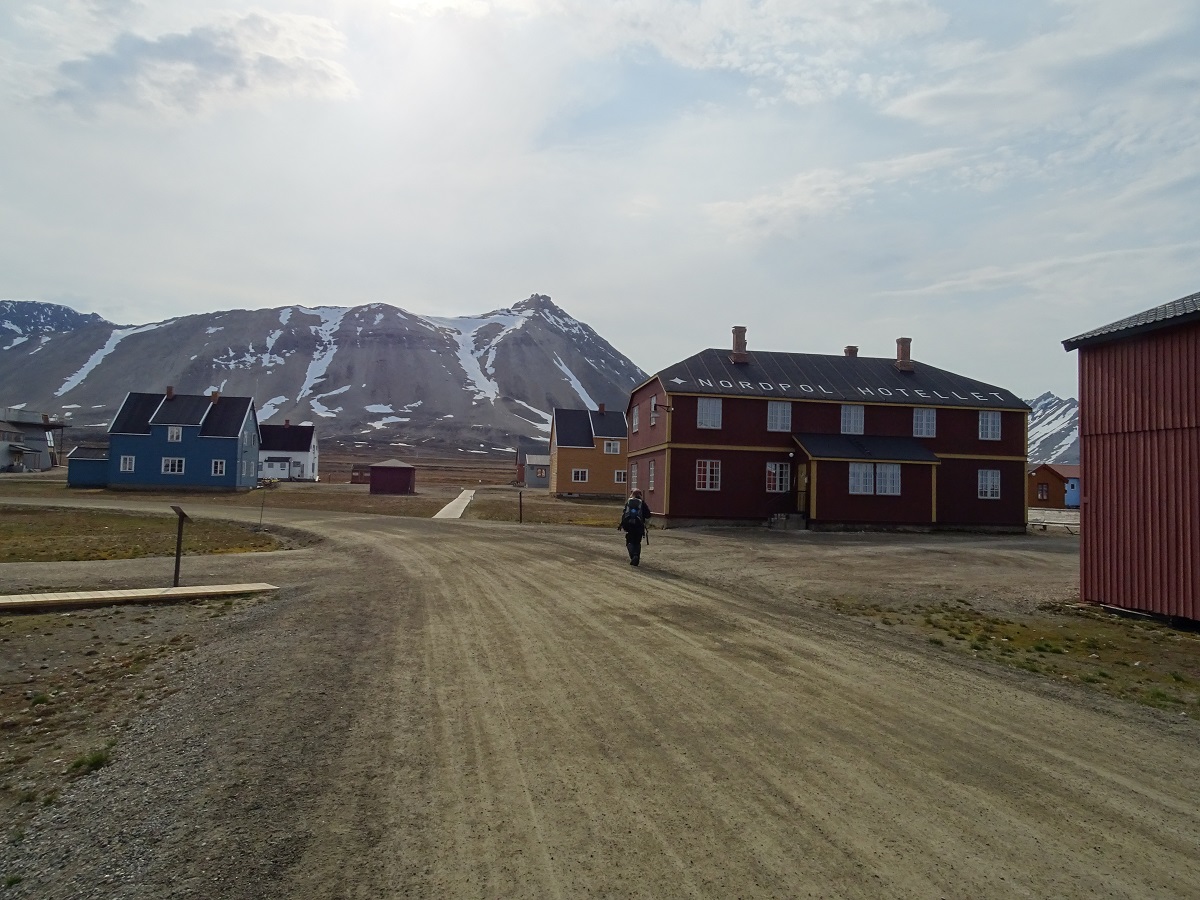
<point x="1053" y="486"/>
<point x="1139" y="425"/>
<point x="87" y="466"/>
<point x="537" y="470"/>
<point x="588" y="453"/>
<point x="393" y="477"/>
<point x="27" y="441"/>
<point x="288" y="452"/>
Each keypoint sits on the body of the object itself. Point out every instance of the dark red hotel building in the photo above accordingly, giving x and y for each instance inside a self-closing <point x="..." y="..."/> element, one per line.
<point x="841" y="441"/>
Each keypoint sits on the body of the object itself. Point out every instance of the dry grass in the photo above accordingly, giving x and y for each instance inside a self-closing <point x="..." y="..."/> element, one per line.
<point x="54" y="535"/>
<point x="538" y="507"/>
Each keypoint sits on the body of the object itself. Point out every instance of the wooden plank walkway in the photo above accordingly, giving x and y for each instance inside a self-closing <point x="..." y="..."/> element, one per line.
<point x="63" y="599"/>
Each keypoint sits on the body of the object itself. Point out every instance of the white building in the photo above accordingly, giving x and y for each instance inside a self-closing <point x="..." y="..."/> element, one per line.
<point x="288" y="452"/>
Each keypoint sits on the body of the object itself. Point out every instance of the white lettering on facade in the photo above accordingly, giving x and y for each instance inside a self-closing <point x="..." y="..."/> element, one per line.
<point x="725" y="384"/>
<point x="807" y="388"/>
<point x="942" y="396"/>
<point x="997" y="396"/>
<point x="978" y="396"/>
<point x="958" y="395"/>
<point x="866" y="392"/>
<point x="784" y="387"/>
<point x="884" y="392"/>
<point x="902" y="392"/>
<point x="824" y="390"/>
<point x="704" y="382"/>
<point x="745" y="385"/>
<point x="921" y="394"/>
<point x="765" y="386"/>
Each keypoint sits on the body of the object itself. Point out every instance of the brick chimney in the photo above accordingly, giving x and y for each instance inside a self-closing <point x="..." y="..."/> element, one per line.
<point x="739" y="355"/>
<point x="170" y="392"/>
<point x="215" y="396"/>
<point x="851" y="350"/>
<point x="287" y="423"/>
<point x="904" y="361"/>
<point x="601" y="410"/>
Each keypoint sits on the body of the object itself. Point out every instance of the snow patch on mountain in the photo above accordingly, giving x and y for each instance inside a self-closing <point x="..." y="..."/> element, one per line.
<point x="477" y="361"/>
<point x="1053" y="430"/>
<point x="331" y="318"/>
<point x="271" y="407"/>
<point x="575" y="384"/>
<point x="118" y="335"/>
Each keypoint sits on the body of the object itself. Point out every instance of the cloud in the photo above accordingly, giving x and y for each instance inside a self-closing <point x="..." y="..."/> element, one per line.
<point x="238" y="59"/>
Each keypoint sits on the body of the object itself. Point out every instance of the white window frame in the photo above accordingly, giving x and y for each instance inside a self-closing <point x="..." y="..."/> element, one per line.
<point x="708" y="474"/>
<point x="218" y="468"/>
<point x="989" y="484"/>
<point x="853" y="418"/>
<point x="579" y="476"/>
<point x="708" y="412"/>
<point x="633" y="476"/>
<point x="633" y="418"/>
<point x="174" y="434"/>
<point x="611" y="447"/>
<point x="779" y="477"/>
<point x="654" y="410"/>
<point x="169" y="465"/>
<point x="619" y="476"/>
<point x="887" y="479"/>
<point x="650" y="475"/>
<point x="862" y="478"/>
<point x="924" y="421"/>
<point x="779" y="415"/>
<point x="127" y="463"/>
<point x="989" y="424"/>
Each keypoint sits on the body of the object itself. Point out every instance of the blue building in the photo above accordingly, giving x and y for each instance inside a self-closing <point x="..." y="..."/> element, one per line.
<point x="189" y="441"/>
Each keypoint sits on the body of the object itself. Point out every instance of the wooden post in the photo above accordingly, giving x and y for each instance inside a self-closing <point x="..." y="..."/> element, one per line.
<point x="520" y="507"/>
<point x="179" y="541"/>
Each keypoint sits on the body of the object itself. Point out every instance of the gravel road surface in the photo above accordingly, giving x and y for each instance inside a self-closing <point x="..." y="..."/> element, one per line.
<point x="469" y="709"/>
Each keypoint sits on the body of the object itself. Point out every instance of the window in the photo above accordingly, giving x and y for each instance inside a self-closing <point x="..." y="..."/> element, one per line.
<point x="127" y="463"/>
<point x="174" y="433"/>
<point x="653" y="410"/>
<point x="541" y="472"/>
<point x="708" y="474"/>
<point x="989" y="484"/>
<point x="989" y="425"/>
<point x="218" y="468"/>
<point x="862" y="477"/>
<point x="779" y="415"/>
<point x="1043" y="492"/>
<point x="708" y="412"/>
<point x="579" y="475"/>
<point x="619" y="476"/>
<point x="852" y="418"/>
<point x="650" y="475"/>
<point x="779" y="477"/>
<point x="633" y="477"/>
<point x="612" y="447"/>
<point x="172" y="465"/>
<point x="924" y="422"/>
<point x="633" y="419"/>
<point x="887" y="479"/>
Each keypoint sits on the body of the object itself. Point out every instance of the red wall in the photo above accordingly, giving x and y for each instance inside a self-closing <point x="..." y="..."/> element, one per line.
<point x="389" y="480"/>
<point x="914" y="505"/>
<point x="959" y="502"/>
<point x="743" y="493"/>
<point x="1139" y="404"/>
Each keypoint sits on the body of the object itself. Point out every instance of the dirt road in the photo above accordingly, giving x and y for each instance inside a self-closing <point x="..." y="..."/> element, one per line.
<point x="465" y="709"/>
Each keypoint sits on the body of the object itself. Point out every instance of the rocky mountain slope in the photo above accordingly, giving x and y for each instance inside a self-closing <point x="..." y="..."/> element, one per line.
<point x="1054" y="430"/>
<point x="374" y="372"/>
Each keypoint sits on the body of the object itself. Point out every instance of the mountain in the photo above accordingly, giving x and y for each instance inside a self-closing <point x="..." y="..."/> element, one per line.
<point x="1054" y="430"/>
<point x="375" y="372"/>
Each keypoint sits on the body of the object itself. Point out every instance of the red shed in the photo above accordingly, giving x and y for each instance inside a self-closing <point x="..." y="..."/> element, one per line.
<point x="393" y="477"/>
<point x="1139" y="433"/>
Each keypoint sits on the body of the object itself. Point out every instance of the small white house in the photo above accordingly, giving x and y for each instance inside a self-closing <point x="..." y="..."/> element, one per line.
<point x="288" y="452"/>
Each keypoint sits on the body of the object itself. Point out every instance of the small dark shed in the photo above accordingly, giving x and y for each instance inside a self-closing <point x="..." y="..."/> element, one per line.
<point x="360" y="473"/>
<point x="393" y="477"/>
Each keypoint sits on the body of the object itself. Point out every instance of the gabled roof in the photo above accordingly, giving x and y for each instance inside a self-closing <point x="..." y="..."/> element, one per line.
<point x="1062" y="471"/>
<point x="865" y="447"/>
<point x="537" y="459"/>
<point x="1169" y="315"/>
<point x="391" y="464"/>
<point x="221" y="419"/>
<point x="848" y="379"/>
<point x="581" y="427"/>
<point x="608" y="424"/>
<point x="286" y="438"/>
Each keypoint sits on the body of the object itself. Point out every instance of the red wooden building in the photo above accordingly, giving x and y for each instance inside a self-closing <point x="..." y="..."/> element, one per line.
<point x="393" y="477"/>
<point x="842" y="441"/>
<point x="1139" y="435"/>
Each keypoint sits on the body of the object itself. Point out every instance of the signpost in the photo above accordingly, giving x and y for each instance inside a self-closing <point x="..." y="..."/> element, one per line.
<point x="183" y="517"/>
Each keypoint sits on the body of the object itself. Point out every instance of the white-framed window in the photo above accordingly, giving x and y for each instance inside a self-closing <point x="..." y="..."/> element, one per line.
<point x="654" y="410"/>
<point x="127" y="463"/>
<point x="989" y="484"/>
<point x="852" y="418"/>
<point x="887" y="479"/>
<point x="708" y="412"/>
<point x="650" y="475"/>
<point x="218" y="468"/>
<point x="708" y="474"/>
<point x="862" y="477"/>
<point x="633" y="476"/>
<point x="779" y="415"/>
<point x="924" y="422"/>
<point x="611" y="447"/>
<point x="174" y="433"/>
<point x="579" y="475"/>
<point x="633" y="418"/>
<point x="779" y="477"/>
<point x="172" y="465"/>
<point x="619" y="476"/>
<point x="989" y="424"/>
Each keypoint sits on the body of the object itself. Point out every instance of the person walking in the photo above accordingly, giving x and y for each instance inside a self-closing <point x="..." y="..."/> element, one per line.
<point x="634" y="516"/>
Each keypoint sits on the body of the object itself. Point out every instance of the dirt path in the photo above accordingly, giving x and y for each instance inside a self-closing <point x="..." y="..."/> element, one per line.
<point x="462" y="709"/>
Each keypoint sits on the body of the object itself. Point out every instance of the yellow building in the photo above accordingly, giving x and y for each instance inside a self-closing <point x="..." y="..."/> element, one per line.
<point x="588" y="453"/>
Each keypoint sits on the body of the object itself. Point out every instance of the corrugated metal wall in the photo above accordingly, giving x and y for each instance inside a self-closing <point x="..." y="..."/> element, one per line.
<point x="1140" y="456"/>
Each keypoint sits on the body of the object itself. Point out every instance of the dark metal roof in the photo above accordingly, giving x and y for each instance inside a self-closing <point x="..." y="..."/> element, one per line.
<point x="865" y="447"/>
<point x="134" y="415"/>
<point x="391" y="464"/>
<point x="182" y="409"/>
<point x="850" y="379"/>
<point x="286" y="438"/>
<point x="573" y="428"/>
<point x="608" y="424"/>
<point x="225" y="417"/>
<point x="85" y="452"/>
<point x="1169" y="315"/>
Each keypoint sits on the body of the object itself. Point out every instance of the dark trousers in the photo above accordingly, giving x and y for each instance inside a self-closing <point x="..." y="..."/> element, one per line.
<point x="633" y="543"/>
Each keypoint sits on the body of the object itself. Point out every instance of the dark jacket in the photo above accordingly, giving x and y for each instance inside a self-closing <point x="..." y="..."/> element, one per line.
<point x="643" y="516"/>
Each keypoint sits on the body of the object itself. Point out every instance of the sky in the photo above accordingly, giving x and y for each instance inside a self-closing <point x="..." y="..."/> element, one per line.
<point x="985" y="178"/>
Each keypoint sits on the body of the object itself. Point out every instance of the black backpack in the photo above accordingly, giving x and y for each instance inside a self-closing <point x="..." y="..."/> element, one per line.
<point x="631" y="516"/>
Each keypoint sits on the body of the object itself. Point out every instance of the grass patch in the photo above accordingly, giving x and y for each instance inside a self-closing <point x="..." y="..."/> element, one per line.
<point x="92" y="760"/>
